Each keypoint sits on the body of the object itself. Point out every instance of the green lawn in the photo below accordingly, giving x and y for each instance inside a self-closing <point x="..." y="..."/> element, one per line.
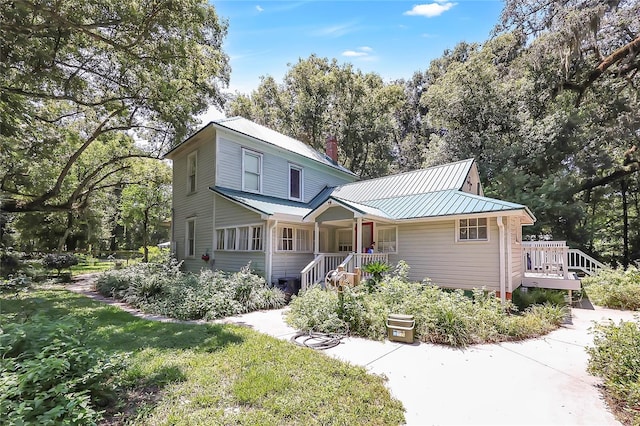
<point x="217" y="374"/>
<point x="88" y="268"/>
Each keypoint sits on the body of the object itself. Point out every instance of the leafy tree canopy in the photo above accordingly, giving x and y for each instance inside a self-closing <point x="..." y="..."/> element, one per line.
<point x="79" y="79"/>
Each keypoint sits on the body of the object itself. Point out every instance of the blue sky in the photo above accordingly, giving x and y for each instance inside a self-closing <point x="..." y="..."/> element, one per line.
<point x="391" y="38"/>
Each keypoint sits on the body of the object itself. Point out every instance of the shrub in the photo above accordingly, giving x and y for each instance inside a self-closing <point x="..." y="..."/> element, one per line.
<point x="615" y="288"/>
<point x="59" y="261"/>
<point x="615" y="357"/>
<point x="315" y="310"/>
<point x="538" y="296"/>
<point x="164" y="289"/>
<point x="48" y="376"/>
<point x="445" y="317"/>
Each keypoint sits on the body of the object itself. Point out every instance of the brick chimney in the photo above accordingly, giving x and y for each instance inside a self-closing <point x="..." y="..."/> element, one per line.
<point x="332" y="148"/>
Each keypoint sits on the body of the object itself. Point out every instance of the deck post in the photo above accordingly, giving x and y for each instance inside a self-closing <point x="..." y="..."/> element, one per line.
<point x="316" y="243"/>
<point x="358" y="249"/>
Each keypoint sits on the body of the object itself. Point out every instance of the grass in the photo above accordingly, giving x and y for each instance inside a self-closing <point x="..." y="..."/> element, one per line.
<point x="90" y="268"/>
<point x="215" y="374"/>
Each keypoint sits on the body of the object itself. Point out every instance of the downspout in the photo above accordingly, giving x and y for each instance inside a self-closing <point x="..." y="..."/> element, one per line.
<point x="269" y="254"/>
<point x="503" y="297"/>
<point x="510" y="256"/>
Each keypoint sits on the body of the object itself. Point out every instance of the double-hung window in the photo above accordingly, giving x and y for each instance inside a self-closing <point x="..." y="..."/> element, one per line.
<point x="475" y="229"/>
<point x="192" y="168"/>
<point x="251" y="171"/>
<point x="241" y="238"/>
<point x="295" y="239"/>
<point x="285" y="242"/>
<point x="295" y="182"/>
<point x="387" y="240"/>
<point x="190" y="238"/>
<point x="345" y="241"/>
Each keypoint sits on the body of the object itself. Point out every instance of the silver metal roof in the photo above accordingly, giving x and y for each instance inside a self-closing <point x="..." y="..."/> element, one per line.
<point x="438" y="178"/>
<point x="257" y="131"/>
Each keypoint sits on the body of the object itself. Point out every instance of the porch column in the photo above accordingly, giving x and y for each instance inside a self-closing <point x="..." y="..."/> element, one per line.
<point x="359" y="242"/>
<point x="316" y="244"/>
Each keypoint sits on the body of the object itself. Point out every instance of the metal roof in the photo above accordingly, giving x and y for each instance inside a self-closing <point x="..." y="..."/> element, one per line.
<point x="257" y="131"/>
<point x="264" y="204"/>
<point x="438" y="178"/>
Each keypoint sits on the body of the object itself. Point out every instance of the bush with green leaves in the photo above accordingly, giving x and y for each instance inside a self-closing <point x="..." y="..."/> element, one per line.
<point x="523" y="298"/>
<point x="615" y="357"/>
<point x="49" y="376"/>
<point x="164" y="289"/>
<point x="59" y="261"/>
<point x="444" y="317"/>
<point x="614" y="288"/>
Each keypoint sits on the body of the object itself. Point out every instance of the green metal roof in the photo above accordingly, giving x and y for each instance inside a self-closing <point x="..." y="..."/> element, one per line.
<point x="440" y="203"/>
<point x="426" y="193"/>
<point x="264" y="204"/>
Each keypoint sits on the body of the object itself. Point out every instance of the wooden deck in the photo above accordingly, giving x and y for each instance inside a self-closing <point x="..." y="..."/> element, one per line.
<point x="554" y="281"/>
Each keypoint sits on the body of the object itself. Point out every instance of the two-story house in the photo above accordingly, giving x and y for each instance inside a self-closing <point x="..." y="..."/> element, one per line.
<point x="244" y="193"/>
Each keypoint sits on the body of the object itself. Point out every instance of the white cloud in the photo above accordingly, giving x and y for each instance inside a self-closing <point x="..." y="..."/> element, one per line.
<point x="430" y="10"/>
<point x="365" y="49"/>
<point x="259" y="8"/>
<point x="354" y="54"/>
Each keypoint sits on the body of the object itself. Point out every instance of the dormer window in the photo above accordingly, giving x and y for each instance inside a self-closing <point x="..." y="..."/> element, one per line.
<point x="295" y="182"/>
<point x="192" y="168"/>
<point x="251" y="171"/>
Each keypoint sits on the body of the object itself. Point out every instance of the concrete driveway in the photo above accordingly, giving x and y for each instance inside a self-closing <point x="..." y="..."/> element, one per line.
<point x="536" y="382"/>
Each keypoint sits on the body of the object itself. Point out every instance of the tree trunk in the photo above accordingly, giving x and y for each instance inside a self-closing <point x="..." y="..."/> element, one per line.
<point x="625" y="225"/>
<point x="63" y="239"/>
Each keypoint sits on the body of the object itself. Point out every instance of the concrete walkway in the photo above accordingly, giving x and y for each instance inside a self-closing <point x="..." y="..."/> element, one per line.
<point x="536" y="382"/>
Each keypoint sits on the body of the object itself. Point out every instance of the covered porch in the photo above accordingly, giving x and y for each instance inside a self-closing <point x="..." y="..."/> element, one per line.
<point x="353" y="236"/>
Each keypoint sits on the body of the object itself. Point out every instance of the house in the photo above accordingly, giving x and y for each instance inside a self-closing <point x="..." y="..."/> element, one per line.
<point x="244" y="193"/>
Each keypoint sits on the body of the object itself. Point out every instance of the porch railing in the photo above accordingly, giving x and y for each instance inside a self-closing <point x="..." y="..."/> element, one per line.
<point x="556" y="258"/>
<point x="316" y="270"/>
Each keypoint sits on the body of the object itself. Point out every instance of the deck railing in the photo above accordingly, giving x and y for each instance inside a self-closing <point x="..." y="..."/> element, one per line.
<point x="580" y="261"/>
<point x="556" y="258"/>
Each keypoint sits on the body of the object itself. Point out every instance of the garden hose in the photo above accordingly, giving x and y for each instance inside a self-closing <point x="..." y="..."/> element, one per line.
<point x="315" y="340"/>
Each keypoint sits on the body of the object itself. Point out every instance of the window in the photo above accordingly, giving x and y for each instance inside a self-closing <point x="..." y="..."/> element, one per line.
<point x="251" y="171"/>
<point x="295" y="182"/>
<point x="303" y="240"/>
<point x="231" y="239"/>
<point x="285" y="242"/>
<point x="295" y="239"/>
<point x="220" y="239"/>
<point x="192" y="166"/>
<point x="190" y="237"/>
<point x="256" y="238"/>
<point x="345" y="242"/>
<point x="473" y="229"/>
<point x="386" y="242"/>
<point x="241" y="238"/>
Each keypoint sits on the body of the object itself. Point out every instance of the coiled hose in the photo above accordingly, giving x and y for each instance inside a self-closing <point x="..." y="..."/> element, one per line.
<point x="316" y="340"/>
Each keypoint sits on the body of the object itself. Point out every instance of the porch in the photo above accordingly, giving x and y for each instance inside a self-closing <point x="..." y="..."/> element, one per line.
<point x="323" y="263"/>
<point x="552" y="264"/>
